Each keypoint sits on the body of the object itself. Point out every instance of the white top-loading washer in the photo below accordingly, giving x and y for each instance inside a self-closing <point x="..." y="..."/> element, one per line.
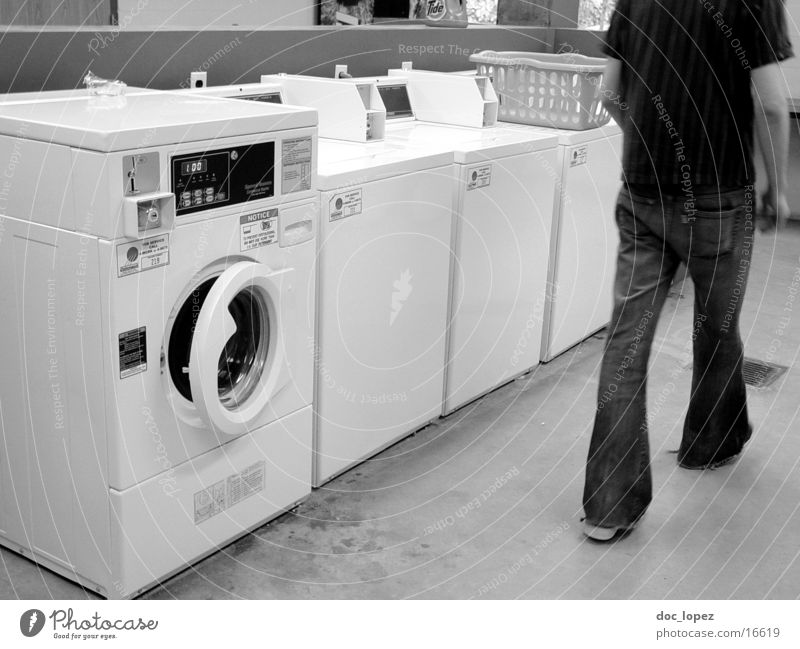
<point x="384" y="258"/>
<point x="159" y="255"/>
<point x="502" y="203"/>
<point x="583" y="249"/>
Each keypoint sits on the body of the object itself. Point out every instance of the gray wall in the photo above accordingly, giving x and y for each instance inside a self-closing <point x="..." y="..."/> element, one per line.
<point x="57" y="58"/>
<point x="580" y="41"/>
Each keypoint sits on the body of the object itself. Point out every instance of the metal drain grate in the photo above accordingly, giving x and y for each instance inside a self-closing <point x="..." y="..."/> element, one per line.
<point x="758" y="374"/>
<point x="761" y="374"/>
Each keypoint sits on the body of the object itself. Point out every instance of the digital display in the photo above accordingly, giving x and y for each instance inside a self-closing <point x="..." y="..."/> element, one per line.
<point x="194" y="167"/>
<point x="396" y="101"/>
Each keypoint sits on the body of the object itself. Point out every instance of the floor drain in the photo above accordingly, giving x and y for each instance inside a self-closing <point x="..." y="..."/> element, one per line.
<point x="759" y="374"/>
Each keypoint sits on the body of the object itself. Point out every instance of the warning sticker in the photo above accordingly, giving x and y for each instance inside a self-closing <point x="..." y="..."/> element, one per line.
<point x="227" y="493"/>
<point x="258" y="229"/>
<point x="245" y="484"/>
<point x="209" y="502"/>
<point x="479" y="177"/>
<point x="578" y="155"/>
<point x="138" y="256"/>
<point x="296" y="163"/>
<point x="132" y="352"/>
<point x="346" y="204"/>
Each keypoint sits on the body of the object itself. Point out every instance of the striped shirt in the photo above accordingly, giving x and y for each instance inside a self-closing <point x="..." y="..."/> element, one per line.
<point x="686" y="82"/>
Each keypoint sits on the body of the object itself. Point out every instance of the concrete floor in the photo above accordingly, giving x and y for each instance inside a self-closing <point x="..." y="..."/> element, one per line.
<point x="486" y="503"/>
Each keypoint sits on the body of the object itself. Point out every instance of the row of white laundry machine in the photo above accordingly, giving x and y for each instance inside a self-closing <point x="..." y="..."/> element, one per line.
<point x="213" y="306"/>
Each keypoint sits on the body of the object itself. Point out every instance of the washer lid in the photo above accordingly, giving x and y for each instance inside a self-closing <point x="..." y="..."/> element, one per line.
<point x="341" y="162"/>
<point x="132" y="121"/>
<point x="570" y="138"/>
<point x="469" y="145"/>
<point x="51" y="95"/>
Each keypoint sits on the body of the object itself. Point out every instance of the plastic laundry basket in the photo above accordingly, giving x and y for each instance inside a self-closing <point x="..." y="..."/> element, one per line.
<point x="556" y="90"/>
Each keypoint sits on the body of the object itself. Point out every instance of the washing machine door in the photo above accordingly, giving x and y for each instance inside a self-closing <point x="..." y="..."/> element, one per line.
<point x="238" y="358"/>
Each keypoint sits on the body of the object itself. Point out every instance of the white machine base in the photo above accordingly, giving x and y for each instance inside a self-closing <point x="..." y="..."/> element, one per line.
<point x="154" y="533"/>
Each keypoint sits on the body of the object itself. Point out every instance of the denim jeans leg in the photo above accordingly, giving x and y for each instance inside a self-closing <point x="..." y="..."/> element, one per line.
<point x="717" y="424"/>
<point x="618" y="484"/>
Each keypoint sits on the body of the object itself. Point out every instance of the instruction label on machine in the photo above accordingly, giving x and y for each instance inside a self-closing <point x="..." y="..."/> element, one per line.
<point x="138" y="256"/>
<point x="296" y="156"/>
<point x="345" y="204"/>
<point x="132" y="352"/>
<point x="228" y="492"/>
<point x="258" y="229"/>
<point x="479" y="177"/>
<point x="578" y="155"/>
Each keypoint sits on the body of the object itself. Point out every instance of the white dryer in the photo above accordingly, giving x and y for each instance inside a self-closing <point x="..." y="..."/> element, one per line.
<point x="384" y="259"/>
<point x="157" y="254"/>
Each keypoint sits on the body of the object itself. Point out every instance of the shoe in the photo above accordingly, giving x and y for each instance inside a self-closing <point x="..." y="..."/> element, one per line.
<point x="710" y="465"/>
<point x="718" y="463"/>
<point x="604" y="534"/>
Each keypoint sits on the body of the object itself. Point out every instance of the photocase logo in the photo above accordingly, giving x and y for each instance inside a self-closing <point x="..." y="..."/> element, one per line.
<point x="402" y="289"/>
<point x="31" y="622"/>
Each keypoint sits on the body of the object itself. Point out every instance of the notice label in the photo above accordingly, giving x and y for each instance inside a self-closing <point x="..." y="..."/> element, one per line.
<point x="132" y="352"/>
<point x="258" y="229"/>
<point x="479" y="177"/>
<point x="209" y="502"/>
<point x="296" y="163"/>
<point x="228" y="492"/>
<point x="245" y="484"/>
<point x="345" y="204"/>
<point x="578" y="155"/>
<point x="138" y="256"/>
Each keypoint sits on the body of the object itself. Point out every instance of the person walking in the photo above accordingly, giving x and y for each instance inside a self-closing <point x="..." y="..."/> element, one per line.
<point x="688" y="81"/>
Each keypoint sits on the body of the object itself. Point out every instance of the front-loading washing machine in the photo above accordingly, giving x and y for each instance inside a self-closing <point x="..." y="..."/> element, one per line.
<point x="159" y="292"/>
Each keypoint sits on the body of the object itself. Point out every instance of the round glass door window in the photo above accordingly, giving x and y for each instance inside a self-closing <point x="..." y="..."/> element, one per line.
<point x="242" y="361"/>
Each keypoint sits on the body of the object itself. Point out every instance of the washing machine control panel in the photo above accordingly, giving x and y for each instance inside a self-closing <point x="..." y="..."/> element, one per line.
<point x="222" y="177"/>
